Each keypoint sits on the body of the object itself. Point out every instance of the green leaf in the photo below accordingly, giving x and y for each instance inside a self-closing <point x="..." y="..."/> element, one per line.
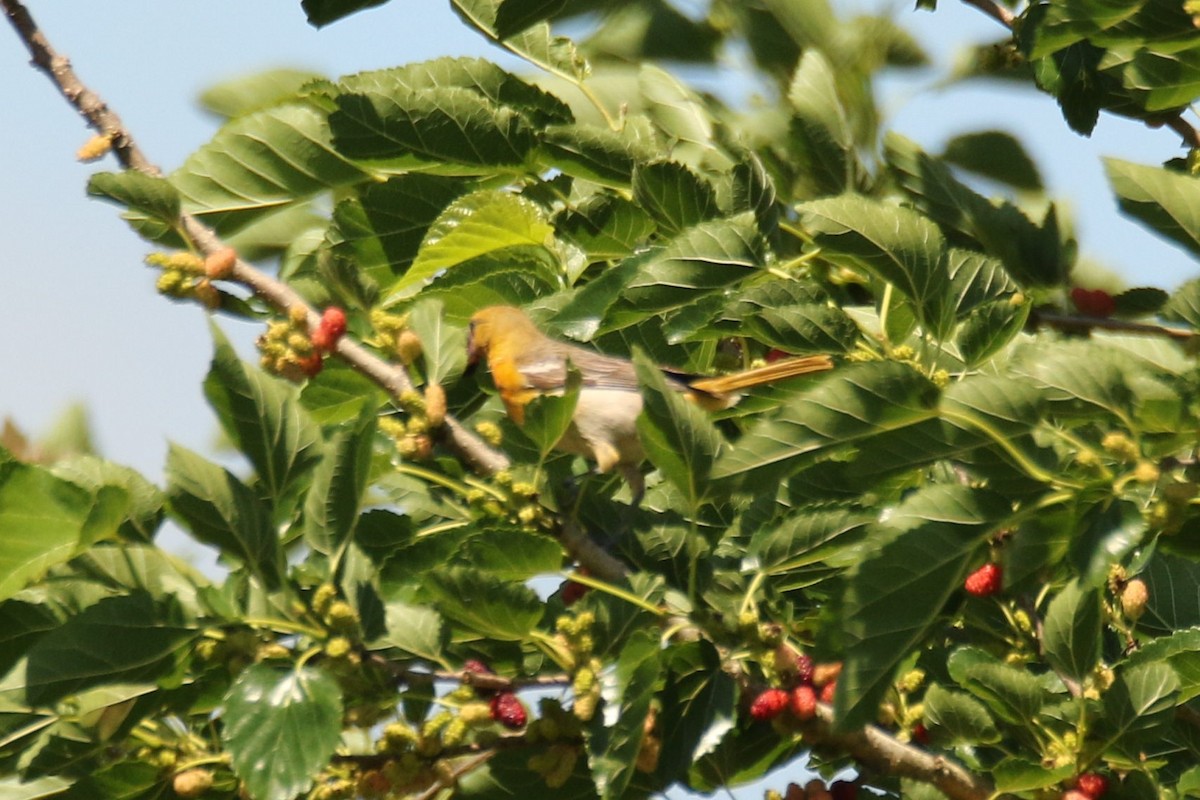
<point x="606" y="226"/>
<point x="963" y="719"/>
<point x="1082" y="373"/>
<point x="513" y="553"/>
<point x="1138" y="706"/>
<point x="1184" y="304"/>
<point x="478" y="224"/>
<point x="126" y="639"/>
<point x="248" y="93"/>
<point x="323" y="12"/>
<point x="45" y="521"/>
<point x="122" y="780"/>
<point x="997" y="155"/>
<point x="281" y="728"/>
<point x="896" y="593"/>
<point x="806" y="538"/>
<point x="677" y="434"/>
<point x="126" y="567"/>
<point x="989" y="328"/>
<point x="1140" y="301"/>
<point x="261" y="162"/>
<point x="222" y="511"/>
<point x="264" y="418"/>
<point x="443" y="346"/>
<point x="1173" y="604"/>
<point x="656" y="32"/>
<point x="897" y="244"/>
<point x="485" y="604"/>
<point x="1165" y="201"/>
<point x="145" y="194"/>
<point x="1189" y="783"/>
<point x="515" y="276"/>
<point x="753" y="190"/>
<point x="677" y="111"/>
<point x="535" y="44"/>
<point x="612" y="747"/>
<point x="701" y="259"/>
<point x="455" y="116"/>
<point x="514" y="16"/>
<point x="811" y="328"/>
<point x="22" y="624"/>
<point x="548" y="418"/>
<point x="1180" y="651"/>
<point x="338" y="395"/>
<point x="857" y="403"/>
<point x="820" y="127"/>
<point x="1019" y="775"/>
<point x="699" y="706"/>
<point x="594" y="153"/>
<point x="1105" y="537"/>
<point x="1071" y="636"/>
<point x="1160" y="76"/>
<point x="335" y="498"/>
<point x="1012" y="694"/>
<point x="1032" y="251"/>
<point x="382" y="229"/>
<point x="12" y="787"/>
<point x="674" y="195"/>
<point x="144" y="511"/>
<point x="416" y="630"/>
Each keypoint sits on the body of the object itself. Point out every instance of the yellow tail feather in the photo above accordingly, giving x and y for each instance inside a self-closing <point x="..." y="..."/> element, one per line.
<point x="780" y="370"/>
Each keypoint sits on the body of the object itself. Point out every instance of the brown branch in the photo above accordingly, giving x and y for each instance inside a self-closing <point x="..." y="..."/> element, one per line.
<point x="1186" y="132"/>
<point x="1075" y="323"/>
<point x="478" y="680"/>
<point x="97" y="114"/>
<point x="392" y="378"/>
<point x="456" y="773"/>
<point x="878" y="750"/>
<point x="993" y="10"/>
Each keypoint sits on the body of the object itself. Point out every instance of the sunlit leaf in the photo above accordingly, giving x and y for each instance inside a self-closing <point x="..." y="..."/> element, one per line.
<point x="281" y="727"/>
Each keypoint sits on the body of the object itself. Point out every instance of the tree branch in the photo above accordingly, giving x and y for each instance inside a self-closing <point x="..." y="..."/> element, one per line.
<point x="993" y="10"/>
<point x="1075" y="323"/>
<point x="875" y="748"/>
<point x="392" y="378"/>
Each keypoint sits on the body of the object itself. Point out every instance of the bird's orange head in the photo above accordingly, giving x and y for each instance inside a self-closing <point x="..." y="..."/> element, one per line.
<point x="498" y="328"/>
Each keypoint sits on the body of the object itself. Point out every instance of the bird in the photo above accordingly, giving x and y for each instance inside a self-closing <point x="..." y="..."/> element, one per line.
<point x="525" y="363"/>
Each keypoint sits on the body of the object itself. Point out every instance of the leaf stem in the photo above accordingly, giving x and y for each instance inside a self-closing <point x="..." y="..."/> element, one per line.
<point x="1020" y="459"/>
<point x="285" y="625"/>
<point x="617" y="592"/>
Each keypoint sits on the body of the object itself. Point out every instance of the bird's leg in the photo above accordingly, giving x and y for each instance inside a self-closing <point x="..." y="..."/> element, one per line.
<point x="637" y="483"/>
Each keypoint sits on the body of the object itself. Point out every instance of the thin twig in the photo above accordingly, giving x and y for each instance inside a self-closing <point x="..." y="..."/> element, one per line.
<point x="477" y="680"/>
<point x="456" y="772"/>
<point x="1071" y="322"/>
<point x="1185" y="130"/>
<point x="993" y="10"/>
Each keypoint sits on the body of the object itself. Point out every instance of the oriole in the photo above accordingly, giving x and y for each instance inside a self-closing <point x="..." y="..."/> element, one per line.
<point x="525" y="363"/>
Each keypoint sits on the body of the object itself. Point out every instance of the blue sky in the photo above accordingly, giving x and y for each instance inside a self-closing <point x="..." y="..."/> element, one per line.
<point x="79" y="318"/>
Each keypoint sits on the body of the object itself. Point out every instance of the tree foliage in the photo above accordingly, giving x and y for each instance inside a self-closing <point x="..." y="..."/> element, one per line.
<point x="395" y="620"/>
